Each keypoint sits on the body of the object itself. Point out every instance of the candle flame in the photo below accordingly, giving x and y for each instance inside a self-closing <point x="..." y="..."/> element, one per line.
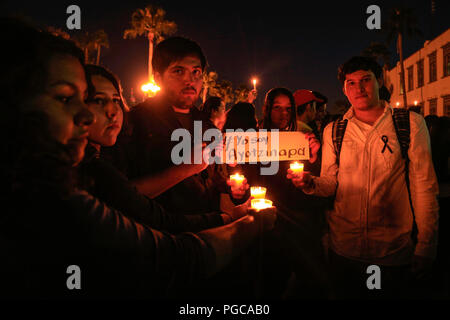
<point x="260" y="204"/>
<point x="296" y="166"/>
<point x="237" y="177"/>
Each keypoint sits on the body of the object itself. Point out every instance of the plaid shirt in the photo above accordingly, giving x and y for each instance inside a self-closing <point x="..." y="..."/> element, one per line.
<point x="372" y="218"/>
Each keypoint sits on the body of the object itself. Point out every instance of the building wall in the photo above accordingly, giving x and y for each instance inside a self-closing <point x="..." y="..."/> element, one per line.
<point x="423" y="96"/>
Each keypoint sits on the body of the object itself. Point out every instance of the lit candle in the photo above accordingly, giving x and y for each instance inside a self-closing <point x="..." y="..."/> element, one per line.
<point x="237" y="178"/>
<point x="260" y="204"/>
<point x="297" y="167"/>
<point x="258" y="192"/>
<point x="254" y="84"/>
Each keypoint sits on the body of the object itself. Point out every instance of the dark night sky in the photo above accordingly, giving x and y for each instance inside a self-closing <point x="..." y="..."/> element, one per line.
<point x="283" y="43"/>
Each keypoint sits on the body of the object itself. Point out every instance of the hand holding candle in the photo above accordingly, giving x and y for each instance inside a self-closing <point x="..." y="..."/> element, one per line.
<point x="239" y="185"/>
<point x="260" y="204"/>
<point x="297" y="167"/>
<point x="300" y="179"/>
<point x="264" y="211"/>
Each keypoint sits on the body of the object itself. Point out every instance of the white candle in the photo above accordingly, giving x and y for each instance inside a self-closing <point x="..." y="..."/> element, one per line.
<point x="258" y="192"/>
<point x="237" y="178"/>
<point x="260" y="204"/>
<point x="297" y="167"/>
<point x="254" y="84"/>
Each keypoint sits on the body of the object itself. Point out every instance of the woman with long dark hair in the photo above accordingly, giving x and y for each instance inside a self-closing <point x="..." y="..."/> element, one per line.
<point x="49" y="227"/>
<point x="107" y="183"/>
<point x="295" y="250"/>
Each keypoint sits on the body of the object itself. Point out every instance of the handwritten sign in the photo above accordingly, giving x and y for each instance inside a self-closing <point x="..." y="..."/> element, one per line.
<point x="265" y="146"/>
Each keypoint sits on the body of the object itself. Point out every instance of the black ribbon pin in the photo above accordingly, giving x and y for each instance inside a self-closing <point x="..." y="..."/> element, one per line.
<point x="385" y="140"/>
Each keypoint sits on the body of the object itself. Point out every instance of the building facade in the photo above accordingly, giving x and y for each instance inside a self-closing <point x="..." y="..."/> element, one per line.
<point x="427" y="78"/>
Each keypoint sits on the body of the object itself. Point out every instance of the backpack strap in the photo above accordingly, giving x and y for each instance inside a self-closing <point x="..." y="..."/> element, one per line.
<point x="338" y="132"/>
<point x="400" y="117"/>
<point x="401" y="123"/>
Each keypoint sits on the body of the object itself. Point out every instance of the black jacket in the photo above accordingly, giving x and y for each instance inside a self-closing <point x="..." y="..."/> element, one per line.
<point x="46" y="227"/>
<point x="109" y="185"/>
<point x="148" y="151"/>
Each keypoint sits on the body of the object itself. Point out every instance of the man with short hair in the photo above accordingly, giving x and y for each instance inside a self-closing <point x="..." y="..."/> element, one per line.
<point x="178" y="65"/>
<point x="372" y="219"/>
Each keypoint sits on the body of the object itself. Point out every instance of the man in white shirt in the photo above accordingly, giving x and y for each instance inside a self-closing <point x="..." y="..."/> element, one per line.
<point x="372" y="219"/>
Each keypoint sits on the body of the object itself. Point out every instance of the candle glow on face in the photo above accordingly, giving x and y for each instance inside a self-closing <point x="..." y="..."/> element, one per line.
<point x="260" y="204"/>
<point x="258" y="192"/>
<point x="297" y="167"/>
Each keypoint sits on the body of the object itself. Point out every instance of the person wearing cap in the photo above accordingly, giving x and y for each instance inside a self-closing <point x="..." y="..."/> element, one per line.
<point x="322" y="116"/>
<point x="306" y="103"/>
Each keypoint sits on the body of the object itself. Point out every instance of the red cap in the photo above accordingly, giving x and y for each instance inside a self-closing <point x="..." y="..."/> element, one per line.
<point x="303" y="96"/>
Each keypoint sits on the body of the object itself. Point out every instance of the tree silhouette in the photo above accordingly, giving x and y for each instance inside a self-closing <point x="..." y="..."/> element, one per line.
<point x="99" y="40"/>
<point x="402" y="22"/>
<point x="150" y="22"/>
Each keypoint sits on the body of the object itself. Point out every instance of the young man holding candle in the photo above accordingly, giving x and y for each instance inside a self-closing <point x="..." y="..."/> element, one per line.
<point x="178" y="65"/>
<point x="372" y="219"/>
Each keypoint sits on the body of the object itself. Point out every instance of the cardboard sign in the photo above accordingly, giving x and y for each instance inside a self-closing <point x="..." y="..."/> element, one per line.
<point x="265" y="146"/>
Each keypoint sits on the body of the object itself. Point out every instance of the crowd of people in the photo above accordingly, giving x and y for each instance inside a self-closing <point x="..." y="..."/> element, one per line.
<point x="90" y="181"/>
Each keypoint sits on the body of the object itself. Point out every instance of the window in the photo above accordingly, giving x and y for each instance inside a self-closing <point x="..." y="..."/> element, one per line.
<point x="422" y="108"/>
<point x="447" y="105"/>
<point x="410" y="79"/>
<point x="433" y="69"/>
<point x="420" y="73"/>
<point x="433" y="106"/>
<point x="401" y="84"/>
<point x="446" y="50"/>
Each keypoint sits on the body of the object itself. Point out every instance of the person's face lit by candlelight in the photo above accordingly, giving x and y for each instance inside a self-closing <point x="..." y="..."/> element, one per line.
<point x="182" y="82"/>
<point x="361" y="88"/>
<point x="105" y="104"/>
<point x="281" y="112"/>
<point x="62" y="101"/>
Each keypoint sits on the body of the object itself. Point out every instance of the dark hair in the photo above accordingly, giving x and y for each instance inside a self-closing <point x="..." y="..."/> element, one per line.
<point x="268" y="104"/>
<point x="95" y="70"/>
<point x="384" y="93"/>
<point x="359" y="63"/>
<point x="212" y="104"/>
<point x="24" y="72"/>
<point x="302" y="108"/>
<point x="321" y="97"/>
<point x="174" y="49"/>
<point x="24" y="65"/>
<point x="241" y="116"/>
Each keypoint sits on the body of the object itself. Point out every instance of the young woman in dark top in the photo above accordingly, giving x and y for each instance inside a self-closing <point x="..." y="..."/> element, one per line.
<point x="107" y="183"/>
<point x="48" y="225"/>
<point x="297" y="235"/>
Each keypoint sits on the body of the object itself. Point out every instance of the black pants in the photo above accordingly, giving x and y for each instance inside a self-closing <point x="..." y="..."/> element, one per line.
<point x="349" y="279"/>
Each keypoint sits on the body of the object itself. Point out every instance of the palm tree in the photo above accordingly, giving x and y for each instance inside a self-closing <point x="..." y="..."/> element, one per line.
<point x="84" y="41"/>
<point x="99" y="40"/>
<point x="241" y="93"/>
<point x="224" y="90"/>
<point x="58" y="32"/>
<point x="402" y="22"/>
<point x="209" y="81"/>
<point x="150" y="22"/>
<point x="378" y="51"/>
